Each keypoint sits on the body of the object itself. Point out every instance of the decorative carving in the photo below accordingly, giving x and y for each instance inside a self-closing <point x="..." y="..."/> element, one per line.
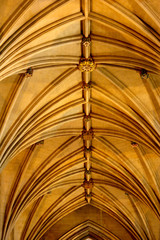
<point x="87" y="135"/>
<point x="87" y="118"/>
<point x="144" y="74"/>
<point x="86" y="85"/>
<point x="86" y="41"/>
<point x="88" y="171"/>
<point x="88" y="184"/>
<point x="29" y="72"/>
<point x="88" y="197"/>
<point x="134" y="144"/>
<point x="86" y="65"/>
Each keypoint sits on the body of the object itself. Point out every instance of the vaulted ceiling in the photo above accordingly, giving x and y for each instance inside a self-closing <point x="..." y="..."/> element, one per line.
<point x="80" y="120"/>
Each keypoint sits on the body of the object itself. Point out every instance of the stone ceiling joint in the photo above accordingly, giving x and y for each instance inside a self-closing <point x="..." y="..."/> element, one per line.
<point x="144" y="74"/>
<point x="86" y="41"/>
<point x="29" y="72"/>
<point x="87" y="135"/>
<point x="87" y="65"/>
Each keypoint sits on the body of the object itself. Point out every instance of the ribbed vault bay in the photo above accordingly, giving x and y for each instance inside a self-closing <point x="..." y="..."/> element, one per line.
<point x="82" y="226"/>
<point x="80" y="120"/>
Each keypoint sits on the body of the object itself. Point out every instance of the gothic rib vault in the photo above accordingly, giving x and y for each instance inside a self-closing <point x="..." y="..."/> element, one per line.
<point x="80" y="120"/>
